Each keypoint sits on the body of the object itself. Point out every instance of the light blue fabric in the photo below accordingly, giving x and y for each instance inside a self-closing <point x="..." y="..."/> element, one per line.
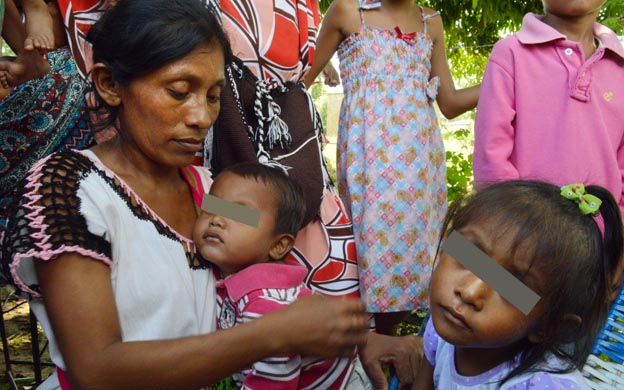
<point x="441" y="355"/>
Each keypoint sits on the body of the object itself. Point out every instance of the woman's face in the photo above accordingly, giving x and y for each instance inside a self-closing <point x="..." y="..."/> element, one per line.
<point x="165" y="115"/>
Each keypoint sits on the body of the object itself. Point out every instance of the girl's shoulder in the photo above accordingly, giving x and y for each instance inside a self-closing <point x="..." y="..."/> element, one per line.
<point x="545" y="376"/>
<point x="349" y="7"/>
<point x="427" y="12"/>
<point x="545" y="380"/>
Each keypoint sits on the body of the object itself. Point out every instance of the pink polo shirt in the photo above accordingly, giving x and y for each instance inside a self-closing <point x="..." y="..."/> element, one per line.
<point x="546" y="113"/>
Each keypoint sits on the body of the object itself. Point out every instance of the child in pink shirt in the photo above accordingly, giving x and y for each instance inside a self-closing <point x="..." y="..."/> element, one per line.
<point x="552" y="102"/>
<point x="254" y="278"/>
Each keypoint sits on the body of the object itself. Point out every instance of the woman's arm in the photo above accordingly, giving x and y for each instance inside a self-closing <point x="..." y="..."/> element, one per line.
<point x="452" y="101"/>
<point x="80" y="303"/>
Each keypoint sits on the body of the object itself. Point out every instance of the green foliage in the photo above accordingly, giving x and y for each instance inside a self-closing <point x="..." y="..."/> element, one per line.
<point x="473" y="26"/>
<point x="412" y="323"/>
<point x="320" y="101"/>
<point x="330" y="162"/>
<point x="224" y="384"/>
<point x="459" y="164"/>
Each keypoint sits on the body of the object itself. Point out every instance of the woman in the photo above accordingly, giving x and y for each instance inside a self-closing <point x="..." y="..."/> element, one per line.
<point x="267" y="115"/>
<point x="100" y="240"/>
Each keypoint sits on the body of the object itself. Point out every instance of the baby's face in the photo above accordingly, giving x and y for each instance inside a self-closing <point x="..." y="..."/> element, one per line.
<point x="466" y="311"/>
<point x="233" y="245"/>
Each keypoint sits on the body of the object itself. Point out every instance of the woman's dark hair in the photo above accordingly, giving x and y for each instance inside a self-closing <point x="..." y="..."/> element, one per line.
<point x="291" y="206"/>
<point x="137" y="37"/>
<point x="566" y="246"/>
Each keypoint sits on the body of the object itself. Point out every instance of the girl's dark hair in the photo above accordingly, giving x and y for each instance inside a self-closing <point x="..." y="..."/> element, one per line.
<point x="291" y="206"/>
<point x="137" y="37"/>
<point x="565" y="246"/>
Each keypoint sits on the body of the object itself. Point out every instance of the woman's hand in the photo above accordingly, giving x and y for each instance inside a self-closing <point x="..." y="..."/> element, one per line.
<point x="404" y="353"/>
<point x="321" y="326"/>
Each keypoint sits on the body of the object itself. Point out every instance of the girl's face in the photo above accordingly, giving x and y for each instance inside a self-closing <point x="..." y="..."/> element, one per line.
<point x="165" y="115"/>
<point x="572" y="8"/>
<point x="466" y="312"/>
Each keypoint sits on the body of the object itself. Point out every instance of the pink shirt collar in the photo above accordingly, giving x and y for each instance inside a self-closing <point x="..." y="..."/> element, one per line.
<point x="264" y="275"/>
<point x="534" y="31"/>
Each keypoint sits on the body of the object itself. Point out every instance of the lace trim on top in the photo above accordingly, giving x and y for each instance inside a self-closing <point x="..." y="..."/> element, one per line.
<point x="143" y="212"/>
<point x="48" y="222"/>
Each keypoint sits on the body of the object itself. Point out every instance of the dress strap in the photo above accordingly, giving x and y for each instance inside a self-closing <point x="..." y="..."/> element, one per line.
<point x="369" y="4"/>
<point x="366" y="5"/>
<point x="199" y="181"/>
<point x="426" y="17"/>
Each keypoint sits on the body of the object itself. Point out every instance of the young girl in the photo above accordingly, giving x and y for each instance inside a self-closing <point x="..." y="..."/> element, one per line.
<point x="391" y="168"/>
<point x="255" y="276"/>
<point x="552" y="100"/>
<point x="562" y="243"/>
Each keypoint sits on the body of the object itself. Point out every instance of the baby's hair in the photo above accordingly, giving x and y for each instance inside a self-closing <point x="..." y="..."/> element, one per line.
<point x="137" y="37"/>
<point x="291" y="207"/>
<point x="566" y="246"/>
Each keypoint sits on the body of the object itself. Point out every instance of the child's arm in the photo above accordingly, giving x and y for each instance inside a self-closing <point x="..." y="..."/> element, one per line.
<point x="452" y="101"/>
<point x="494" y="124"/>
<point x="12" y="28"/>
<point x="39" y="32"/>
<point x="336" y="26"/>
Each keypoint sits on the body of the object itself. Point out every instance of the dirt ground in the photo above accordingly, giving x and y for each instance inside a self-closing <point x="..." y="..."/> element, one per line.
<point x="16" y="321"/>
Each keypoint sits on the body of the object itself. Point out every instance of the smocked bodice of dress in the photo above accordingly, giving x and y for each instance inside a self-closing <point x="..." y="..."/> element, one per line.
<point x="375" y="56"/>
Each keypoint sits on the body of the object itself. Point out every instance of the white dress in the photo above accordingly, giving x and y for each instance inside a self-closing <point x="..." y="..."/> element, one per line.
<point x="162" y="290"/>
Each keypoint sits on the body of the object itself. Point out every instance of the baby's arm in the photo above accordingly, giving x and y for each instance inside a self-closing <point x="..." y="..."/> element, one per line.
<point x="39" y="32"/>
<point x="494" y="125"/>
<point x="452" y="101"/>
<point x="339" y="21"/>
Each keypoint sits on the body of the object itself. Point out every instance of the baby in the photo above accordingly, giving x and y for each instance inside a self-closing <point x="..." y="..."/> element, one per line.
<point x="248" y="225"/>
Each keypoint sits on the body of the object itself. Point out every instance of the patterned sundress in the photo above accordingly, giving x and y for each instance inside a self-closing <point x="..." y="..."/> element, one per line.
<point x="391" y="163"/>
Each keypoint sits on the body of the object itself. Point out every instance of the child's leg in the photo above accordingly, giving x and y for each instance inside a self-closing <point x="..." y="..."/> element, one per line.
<point x="13" y="30"/>
<point x="28" y="65"/>
<point x="39" y="33"/>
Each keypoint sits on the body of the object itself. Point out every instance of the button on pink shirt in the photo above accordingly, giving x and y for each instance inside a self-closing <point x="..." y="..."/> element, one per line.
<point x="546" y="113"/>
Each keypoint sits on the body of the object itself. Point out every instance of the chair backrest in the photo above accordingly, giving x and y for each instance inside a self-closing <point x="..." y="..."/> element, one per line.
<point x="37" y="350"/>
<point x="605" y="366"/>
